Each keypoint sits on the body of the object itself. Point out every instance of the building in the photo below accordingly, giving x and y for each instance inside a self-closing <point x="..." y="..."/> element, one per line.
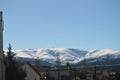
<point x="2" y="68"/>
<point x="31" y="72"/>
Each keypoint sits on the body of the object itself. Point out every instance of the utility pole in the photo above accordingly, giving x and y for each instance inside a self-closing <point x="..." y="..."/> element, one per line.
<point x="2" y="68"/>
<point x="94" y="74"/>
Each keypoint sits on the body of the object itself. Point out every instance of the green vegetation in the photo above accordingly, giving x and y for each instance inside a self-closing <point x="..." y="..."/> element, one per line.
<point x="13" y="71"/>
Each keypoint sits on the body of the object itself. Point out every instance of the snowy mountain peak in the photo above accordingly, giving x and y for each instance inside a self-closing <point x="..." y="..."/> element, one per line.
<point x="70" y="55"/>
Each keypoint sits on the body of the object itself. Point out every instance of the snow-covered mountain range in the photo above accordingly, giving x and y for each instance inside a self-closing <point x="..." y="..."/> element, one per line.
<point x="65" y="55"/>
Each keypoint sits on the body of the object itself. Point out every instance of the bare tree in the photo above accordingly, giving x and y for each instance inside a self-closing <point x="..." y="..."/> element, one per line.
<point x="84" y="69"/>
<point x="57" y="61"/>
<point x="85" y="65"/>
<point x="58" y="65"/>
<point x="38" y="64"/>
<point x="108" y="65"/>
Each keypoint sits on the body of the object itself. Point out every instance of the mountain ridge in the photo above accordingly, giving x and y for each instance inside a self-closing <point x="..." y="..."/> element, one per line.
<point x="71" y="55"/>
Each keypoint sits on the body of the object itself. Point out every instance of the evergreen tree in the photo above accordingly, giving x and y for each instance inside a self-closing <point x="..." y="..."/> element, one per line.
<point x="10" y="73"/>
<point x="68" y="65"/>
<point x="13" y="72"/>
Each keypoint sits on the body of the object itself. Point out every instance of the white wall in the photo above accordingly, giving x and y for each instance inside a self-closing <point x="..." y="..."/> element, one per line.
<point x="30" y="73"/>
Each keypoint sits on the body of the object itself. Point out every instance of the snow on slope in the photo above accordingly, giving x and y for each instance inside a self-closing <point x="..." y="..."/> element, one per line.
<point x="65" y="54"/>
<point x="70" y="55"/>
<point x="102" y="53"/>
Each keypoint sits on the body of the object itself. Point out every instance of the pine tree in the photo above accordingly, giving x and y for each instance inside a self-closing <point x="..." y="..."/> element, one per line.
<point x="12" y="72"/>
<point x="10" y="65"/>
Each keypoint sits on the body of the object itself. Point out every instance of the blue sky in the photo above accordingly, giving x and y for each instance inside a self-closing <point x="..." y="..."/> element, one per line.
<point x="86" y="24"/>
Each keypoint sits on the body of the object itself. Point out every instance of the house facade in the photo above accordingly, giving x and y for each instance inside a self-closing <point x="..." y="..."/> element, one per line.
<point x="31" y="73"/>
<point x="2" y="68"/>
